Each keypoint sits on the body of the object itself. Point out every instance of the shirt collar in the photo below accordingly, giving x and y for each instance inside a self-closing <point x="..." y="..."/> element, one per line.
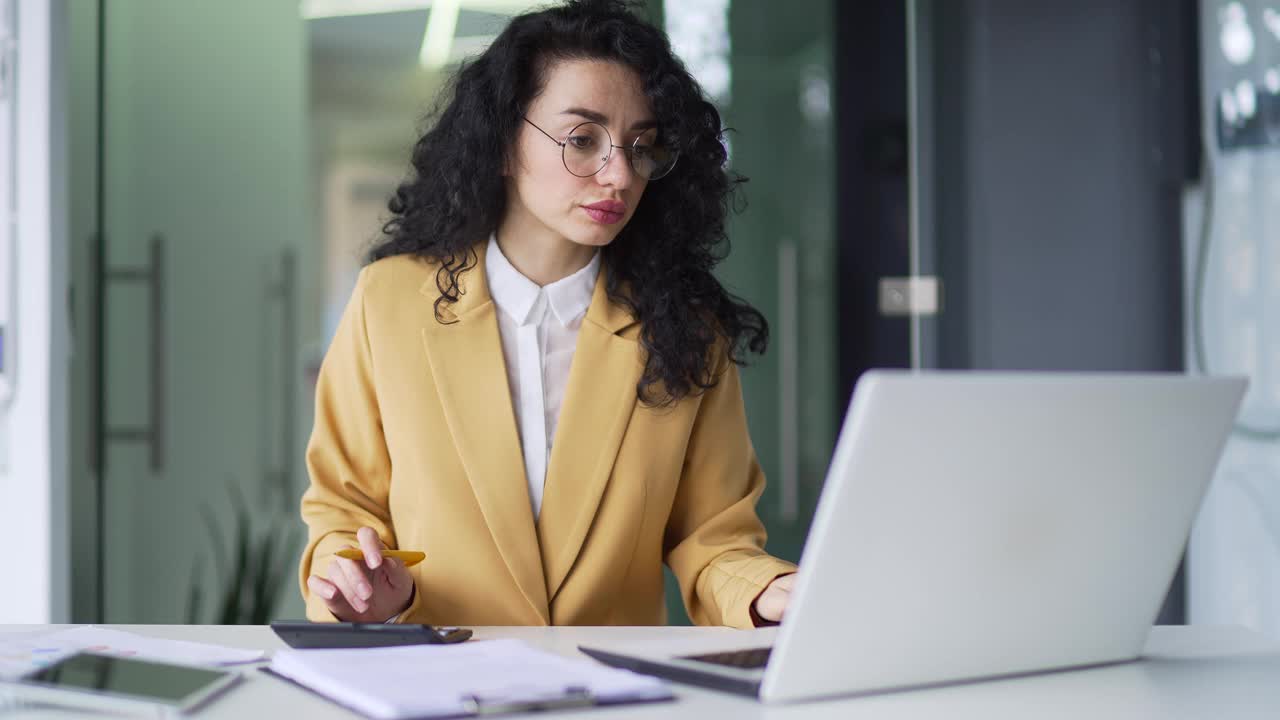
<point x="513" y="293"/>
<point x="570" y="297"/>
<point x="517" y="295"/>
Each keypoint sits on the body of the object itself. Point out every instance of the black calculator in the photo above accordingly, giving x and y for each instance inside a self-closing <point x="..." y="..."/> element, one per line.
<point x="365" y="635"/>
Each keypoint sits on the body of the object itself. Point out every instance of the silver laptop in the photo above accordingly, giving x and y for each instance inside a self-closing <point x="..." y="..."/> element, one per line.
<point x="976" y="525"/>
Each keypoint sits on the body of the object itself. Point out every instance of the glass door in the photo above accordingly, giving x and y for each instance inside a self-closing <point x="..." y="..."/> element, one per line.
<point x="193" y="241"/>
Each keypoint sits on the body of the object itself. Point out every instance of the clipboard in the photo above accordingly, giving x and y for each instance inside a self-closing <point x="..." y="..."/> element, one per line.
<point x="490" y="705"/>
<point x="475" y="679"/>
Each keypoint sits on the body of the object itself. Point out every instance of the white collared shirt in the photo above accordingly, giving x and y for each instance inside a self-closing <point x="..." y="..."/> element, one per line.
<point x="539" y="330"/>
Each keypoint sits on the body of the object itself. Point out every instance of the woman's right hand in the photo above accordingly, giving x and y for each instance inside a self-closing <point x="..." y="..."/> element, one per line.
<point x="373" y="591"/>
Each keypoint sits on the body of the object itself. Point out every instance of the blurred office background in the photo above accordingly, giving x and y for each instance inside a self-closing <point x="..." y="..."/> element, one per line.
<point x="1004" y="184"/>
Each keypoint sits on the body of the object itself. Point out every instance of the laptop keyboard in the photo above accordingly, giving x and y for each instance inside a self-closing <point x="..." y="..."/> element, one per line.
<point x="746" y="659"/>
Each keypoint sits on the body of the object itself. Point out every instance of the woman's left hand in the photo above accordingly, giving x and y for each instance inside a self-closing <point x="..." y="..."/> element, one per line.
<point x="772" y="603"/>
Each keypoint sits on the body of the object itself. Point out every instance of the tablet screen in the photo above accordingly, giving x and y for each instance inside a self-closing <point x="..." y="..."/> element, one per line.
<point x="140" y="679"/>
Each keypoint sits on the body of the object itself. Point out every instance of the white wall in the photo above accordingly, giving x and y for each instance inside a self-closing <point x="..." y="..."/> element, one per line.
<point x="33" y="498"/>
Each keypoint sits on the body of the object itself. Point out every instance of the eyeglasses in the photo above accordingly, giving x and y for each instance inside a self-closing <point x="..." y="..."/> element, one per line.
<point x="588" y="147"/>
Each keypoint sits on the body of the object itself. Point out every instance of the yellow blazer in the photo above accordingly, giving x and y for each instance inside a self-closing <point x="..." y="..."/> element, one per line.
<point x="415" y="437"/>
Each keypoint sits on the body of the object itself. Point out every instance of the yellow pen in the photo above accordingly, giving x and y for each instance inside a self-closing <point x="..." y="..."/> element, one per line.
<point x="408" y="557"/>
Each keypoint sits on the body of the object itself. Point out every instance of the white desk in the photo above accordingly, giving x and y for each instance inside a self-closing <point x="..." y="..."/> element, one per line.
<point x="1189" y="672"/>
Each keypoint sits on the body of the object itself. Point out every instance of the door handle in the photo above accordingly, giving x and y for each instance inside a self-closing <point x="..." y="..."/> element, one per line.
<point x="152" y="276"/>
<point x="285" y="291"/>
<point x="789" y="379"/>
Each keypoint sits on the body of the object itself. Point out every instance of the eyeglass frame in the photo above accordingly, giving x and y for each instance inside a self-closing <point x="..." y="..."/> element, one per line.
<point x="629" y="150"/>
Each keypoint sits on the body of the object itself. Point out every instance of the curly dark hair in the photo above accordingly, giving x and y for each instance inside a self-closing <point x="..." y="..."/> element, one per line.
<point x="659" y="266"/>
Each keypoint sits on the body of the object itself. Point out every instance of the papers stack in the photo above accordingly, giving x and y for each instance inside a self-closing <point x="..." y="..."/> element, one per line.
<point x="29" y="651"/>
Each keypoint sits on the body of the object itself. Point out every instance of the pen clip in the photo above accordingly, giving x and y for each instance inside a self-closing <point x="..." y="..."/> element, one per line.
<point x="570" y="697"/>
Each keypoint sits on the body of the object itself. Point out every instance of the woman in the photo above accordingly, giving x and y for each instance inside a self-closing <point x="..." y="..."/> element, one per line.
<point x="535" y="381"/>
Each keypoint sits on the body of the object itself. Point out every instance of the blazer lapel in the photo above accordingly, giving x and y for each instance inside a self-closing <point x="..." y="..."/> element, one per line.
<point x="599" y="399"/>
<point x="470" y="375"/>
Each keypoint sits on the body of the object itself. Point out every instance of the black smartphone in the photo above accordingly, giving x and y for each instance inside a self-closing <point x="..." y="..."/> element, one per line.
<point x="364" y="635"/>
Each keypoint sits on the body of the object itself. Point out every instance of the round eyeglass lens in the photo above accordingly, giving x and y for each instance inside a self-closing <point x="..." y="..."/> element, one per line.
<point x="586" y="150"/>
<point x="650" y="158"/>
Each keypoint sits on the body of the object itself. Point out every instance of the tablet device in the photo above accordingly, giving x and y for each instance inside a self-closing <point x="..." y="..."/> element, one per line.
<point x="107" y="682"/>
<point x="364" y="635"/>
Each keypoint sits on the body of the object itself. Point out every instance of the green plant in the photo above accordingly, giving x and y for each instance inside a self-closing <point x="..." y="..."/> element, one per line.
<point x="252" y="572"/>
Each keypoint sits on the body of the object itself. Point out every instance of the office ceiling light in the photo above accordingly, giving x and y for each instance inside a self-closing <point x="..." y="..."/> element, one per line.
<point x="1246" y="99"/>
<point x="437" y="41"/>
<point x="1230" y="111"/>
<point x="1235" y="36"/>
<point x="1271" y="19"/>
<point x="317" y="9"/>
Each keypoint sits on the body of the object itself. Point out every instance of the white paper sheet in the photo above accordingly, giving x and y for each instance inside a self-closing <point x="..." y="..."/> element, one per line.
<point x="432" y="680"/>
<point x="29" y="651"/>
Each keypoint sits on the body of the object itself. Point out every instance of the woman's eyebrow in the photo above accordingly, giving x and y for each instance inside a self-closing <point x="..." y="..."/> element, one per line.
<point x="598" y="117"/>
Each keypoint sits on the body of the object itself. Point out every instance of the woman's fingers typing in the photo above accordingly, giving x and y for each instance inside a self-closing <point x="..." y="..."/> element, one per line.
<point x="771" y="605"/>
<point x="350" y="578"/>
<point x="369" y="590"/>
<point x="322" y="587"/>
<point x="332" y="595"/>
